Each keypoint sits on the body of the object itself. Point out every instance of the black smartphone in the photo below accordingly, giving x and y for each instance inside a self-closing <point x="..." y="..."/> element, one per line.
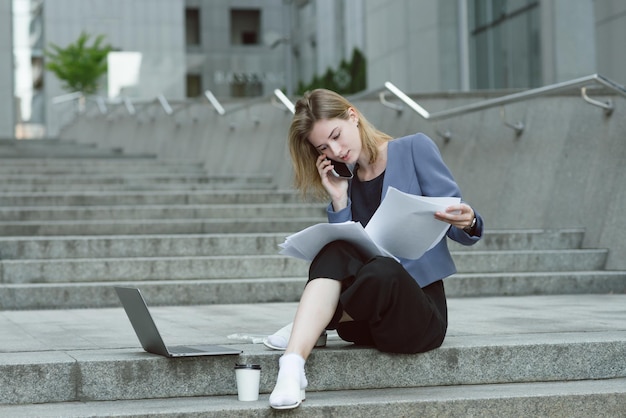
<point x="340" y="170"/>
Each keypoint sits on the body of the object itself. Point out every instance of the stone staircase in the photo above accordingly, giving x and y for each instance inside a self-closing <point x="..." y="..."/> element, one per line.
<point x="537" y="325"/>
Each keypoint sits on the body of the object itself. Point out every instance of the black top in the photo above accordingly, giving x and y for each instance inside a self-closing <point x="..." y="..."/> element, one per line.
<point x="366" y="196"/>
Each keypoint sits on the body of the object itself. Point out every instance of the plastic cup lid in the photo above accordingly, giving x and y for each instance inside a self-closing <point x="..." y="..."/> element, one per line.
<point x="248" y="366"/>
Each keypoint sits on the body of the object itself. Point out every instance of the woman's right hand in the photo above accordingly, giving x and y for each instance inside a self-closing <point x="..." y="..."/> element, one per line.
<point x="336" y="187"/>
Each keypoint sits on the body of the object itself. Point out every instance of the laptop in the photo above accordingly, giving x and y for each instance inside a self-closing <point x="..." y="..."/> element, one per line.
<point x="148" y="334"/>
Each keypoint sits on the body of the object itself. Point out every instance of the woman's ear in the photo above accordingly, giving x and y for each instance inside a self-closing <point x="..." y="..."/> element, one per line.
<point x="353" y="115"/>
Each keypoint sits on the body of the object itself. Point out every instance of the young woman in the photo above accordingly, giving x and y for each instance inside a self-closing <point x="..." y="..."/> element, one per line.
<point x="375" y="301"/>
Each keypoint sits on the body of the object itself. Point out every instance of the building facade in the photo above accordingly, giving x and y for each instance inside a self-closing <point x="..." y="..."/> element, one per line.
<point x="244" y="48"/>
<point x="248" y="48"/>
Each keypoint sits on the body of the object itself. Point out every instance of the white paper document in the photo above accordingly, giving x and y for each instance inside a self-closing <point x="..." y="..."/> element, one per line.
<point x="404" y="225"/>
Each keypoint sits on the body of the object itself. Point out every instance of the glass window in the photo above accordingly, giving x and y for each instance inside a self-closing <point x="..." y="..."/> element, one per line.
<point x="192" y="26"/>
<point x="245" y="26"/>
<point x="504" y="44"/>
<point x="246" y="85"/>
<point x="194" y="85"/>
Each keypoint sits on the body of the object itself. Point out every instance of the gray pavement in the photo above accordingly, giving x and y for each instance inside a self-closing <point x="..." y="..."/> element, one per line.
<point x="509" y="355"/>
<point x="497" y="319"/>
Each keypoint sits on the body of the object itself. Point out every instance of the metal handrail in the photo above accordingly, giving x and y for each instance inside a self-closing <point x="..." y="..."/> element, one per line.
<point x="583" y="83"/>
<point x="511" y="98"/>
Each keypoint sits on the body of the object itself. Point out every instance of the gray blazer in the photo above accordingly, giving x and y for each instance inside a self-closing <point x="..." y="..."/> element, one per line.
<point x="415" y="165"/>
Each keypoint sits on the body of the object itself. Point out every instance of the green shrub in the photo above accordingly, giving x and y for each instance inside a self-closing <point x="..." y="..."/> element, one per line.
<point x="78" y="65"/>
<point x="348" y="78"/>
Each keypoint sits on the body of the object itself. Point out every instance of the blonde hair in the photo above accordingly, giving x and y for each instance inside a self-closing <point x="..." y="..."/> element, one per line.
<point x="322" y="104"/>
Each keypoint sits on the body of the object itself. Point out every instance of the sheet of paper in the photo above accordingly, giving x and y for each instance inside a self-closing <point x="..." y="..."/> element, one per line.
<point x="308" y="242"/>
<point x="405" y="224"/>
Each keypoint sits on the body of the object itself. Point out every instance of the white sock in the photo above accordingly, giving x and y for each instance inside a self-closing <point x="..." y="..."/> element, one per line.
<point x="290" y="381"/>
<point x="292" y="365"/>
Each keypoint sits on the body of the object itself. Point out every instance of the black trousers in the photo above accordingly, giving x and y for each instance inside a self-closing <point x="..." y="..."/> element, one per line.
<point x="390" y="310"/>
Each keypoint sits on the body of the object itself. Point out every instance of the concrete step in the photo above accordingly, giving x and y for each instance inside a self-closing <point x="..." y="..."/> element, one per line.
<point x="11" y="142"/>
<point x="146" y="197"/>
<point x="68" y="153"/>
<point x="525" y="239"/>
<point x="202" y="182"/>
<point x="93" y="354"/>
<point x="161" y="293"/>
<point x="536" y="283"/>
<point x="40" y="168"/>
<point x="65" y="151"/>
<point x="62" y="149"/>
<point x="79" y="188"/>
<point x="139" y="269"/>
<point x="106" y="160"/>
<point x="49" y="175"/>
<point x="236" y="244"/>
<point x="583" y="399"/>
<point x="54" y="247"/>
<point x="155" y="226"/>
<point x="146" y="212"/>
<point x="131" y="179"/>
<point x="222" y="267"/>
<point x="520" y="261"/>
<point x="26" y="143"/>
<point x="289" y="289"/>
<point x="57" y="166"/>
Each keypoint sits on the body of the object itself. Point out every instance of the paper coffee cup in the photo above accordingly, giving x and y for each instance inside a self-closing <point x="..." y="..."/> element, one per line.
<point x="248" y="378"/>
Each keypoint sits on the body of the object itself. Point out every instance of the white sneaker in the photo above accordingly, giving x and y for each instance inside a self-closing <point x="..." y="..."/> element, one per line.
<point x="279" y="339"/>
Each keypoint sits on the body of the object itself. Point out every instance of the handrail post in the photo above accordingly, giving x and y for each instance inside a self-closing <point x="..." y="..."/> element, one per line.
<point x="518" y="127"/>
<point x="285" y="100"/>
<point x="102" y="107"/>
<point x="607" y="106"/>
<point x="214" y="102"/>
<point x="129" y="106"/>
<point x="386" y="103"/>
<point x="164" y="104"/>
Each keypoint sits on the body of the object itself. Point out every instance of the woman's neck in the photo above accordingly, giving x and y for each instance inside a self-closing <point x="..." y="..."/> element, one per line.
<point x="368" y="171"/>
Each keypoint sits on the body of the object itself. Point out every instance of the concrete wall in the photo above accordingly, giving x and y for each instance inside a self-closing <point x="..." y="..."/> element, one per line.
<point x="565" y="170"/>
<point x="567" y="40"/>
<point x="610" y="38"/>
<point x="404" y="43"/>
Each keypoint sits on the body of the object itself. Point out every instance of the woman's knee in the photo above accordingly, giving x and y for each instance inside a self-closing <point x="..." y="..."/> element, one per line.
<point x="386" y="272"/>
<point x="337" y="260"/>
<point x="339" y="249"/>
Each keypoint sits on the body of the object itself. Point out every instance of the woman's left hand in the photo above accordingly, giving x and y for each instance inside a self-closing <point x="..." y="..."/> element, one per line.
<point x="460" y="215"/>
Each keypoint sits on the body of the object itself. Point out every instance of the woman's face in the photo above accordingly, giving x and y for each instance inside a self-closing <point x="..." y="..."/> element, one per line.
<point x="338" y="139"/>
